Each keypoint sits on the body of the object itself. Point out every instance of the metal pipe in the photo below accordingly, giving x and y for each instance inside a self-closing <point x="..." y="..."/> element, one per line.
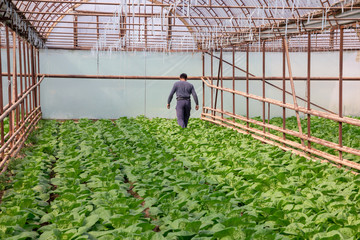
<point x="158" y="4"/>
<point x="233" y="82"/>
<point x="308" y="89"/>
<point x="247" y="85"/>
<point x="341" y="59"/>
<point x="222" y="83"/>
<point x="2" y="141"/>
<point x="263" y="83"/>
<point x="212" y="78"/>
<point x="9" y="77"/>
<point x="203" y="84"/>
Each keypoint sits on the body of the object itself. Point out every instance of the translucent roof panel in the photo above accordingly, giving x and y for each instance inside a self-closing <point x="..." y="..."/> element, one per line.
<point x="182" y="25"/>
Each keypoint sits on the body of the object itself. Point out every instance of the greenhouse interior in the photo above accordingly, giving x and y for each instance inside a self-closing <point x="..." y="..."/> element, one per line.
<point x="180" y="119"/>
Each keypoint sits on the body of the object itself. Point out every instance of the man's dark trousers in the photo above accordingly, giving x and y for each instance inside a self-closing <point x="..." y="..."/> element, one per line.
<point x="183" y="108"/>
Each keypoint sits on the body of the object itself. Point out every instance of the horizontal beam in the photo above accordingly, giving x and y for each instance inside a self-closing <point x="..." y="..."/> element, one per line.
<point x="190" y="77"/>
<point x="196" y="5"/>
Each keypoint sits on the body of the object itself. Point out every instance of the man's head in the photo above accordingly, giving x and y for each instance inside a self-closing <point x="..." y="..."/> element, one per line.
<point x="183" y="76"/>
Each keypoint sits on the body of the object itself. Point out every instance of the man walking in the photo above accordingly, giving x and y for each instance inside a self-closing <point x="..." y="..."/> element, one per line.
<point x="183" y="90"/>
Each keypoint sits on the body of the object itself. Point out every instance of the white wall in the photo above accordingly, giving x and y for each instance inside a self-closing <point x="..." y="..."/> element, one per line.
<point x="103" y="98"/>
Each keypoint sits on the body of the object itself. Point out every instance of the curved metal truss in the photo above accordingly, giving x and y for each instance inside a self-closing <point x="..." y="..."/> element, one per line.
<point x="189" y="25"/>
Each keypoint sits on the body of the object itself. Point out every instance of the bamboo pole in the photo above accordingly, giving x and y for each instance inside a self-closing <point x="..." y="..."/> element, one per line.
<point x="218" y="80"/>
<point x="2" y="134"/>
<point x="341" y="89"/>
<point x="293" y="90"/>
<point x="308" y="82"/>
<point x="330" y="116"/>
<point x="233" y="80"/>
<point x="21" y="80"/>
<point x="11" y="125"/>
<point x="203" y="84"/>
<point x="31" y="123"/>
<point x="263" y="83"/>
<point x="26" y="76"/>
<point x="279" y="139"/>
<point x="247" y="85"/>
<point x="28" y="92"/>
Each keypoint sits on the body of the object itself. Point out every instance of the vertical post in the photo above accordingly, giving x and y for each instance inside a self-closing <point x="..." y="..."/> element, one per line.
<point x="2" y="134"/>
<point x="146" y="33"/>
<point x="308" y="89"/>
<point x="9" y="80"/>
<point x="203" y="84"/>
<point x="29" y="77"/>
<point x="284" y="87"/>
<point x="341" y="87"/>
<point x="76" y="42"/>
<point x="263" y="85"/>
<point x="268" y="120"/>
<point x="21" y="80"/>
<point x="233" y="80"/>
<point x="97" y="28"/>
<point x="15" y="112"/>
<point x="247" y="86"/>
<point x="33" y="76"/>
<point x="222" y="85"/>
<point x="212" y="80"/>
<point x="37" y="74"/>
<point x="25" y="80"/>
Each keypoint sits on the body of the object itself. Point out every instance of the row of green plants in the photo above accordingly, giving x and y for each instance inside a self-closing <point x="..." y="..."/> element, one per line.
<point x="145" y="178"/>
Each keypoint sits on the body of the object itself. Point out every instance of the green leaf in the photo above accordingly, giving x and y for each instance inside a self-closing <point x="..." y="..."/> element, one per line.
<point x="24" y="235"/>
<point x="55" y="234"/>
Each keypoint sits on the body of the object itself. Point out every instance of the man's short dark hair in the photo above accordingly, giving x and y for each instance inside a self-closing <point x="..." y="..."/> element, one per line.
<point x="183" y="76"/>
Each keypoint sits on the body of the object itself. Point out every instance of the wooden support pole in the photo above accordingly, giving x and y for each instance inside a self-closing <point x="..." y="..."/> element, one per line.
<point x="22" y="107"/>
<point x="33" y="74"/>
<point x="293" y="90"/>
<point x="222" y="83"/>
<point x="341" y="65"/>
<point x="263" y="84"/>
<point x="26" y="76"/>
<point x="37" y="74"/>
<point x="2" y="134"/>
<point x="247" y="84"/>
<point x="212" y="79"/>
<point x="233" y="80"/>
<point x="308" y="89"/>
<point x="15" y="113"/>
<point x="283" y="87"/>
<point x="8" y="63"/>
<point x="29" y="78"/>
<point x="203" y="84"/>
<point x="218" y="81"/>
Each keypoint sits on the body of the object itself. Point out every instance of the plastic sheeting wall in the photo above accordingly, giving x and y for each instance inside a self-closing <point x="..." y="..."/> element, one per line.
<point x="104" y="98"/>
